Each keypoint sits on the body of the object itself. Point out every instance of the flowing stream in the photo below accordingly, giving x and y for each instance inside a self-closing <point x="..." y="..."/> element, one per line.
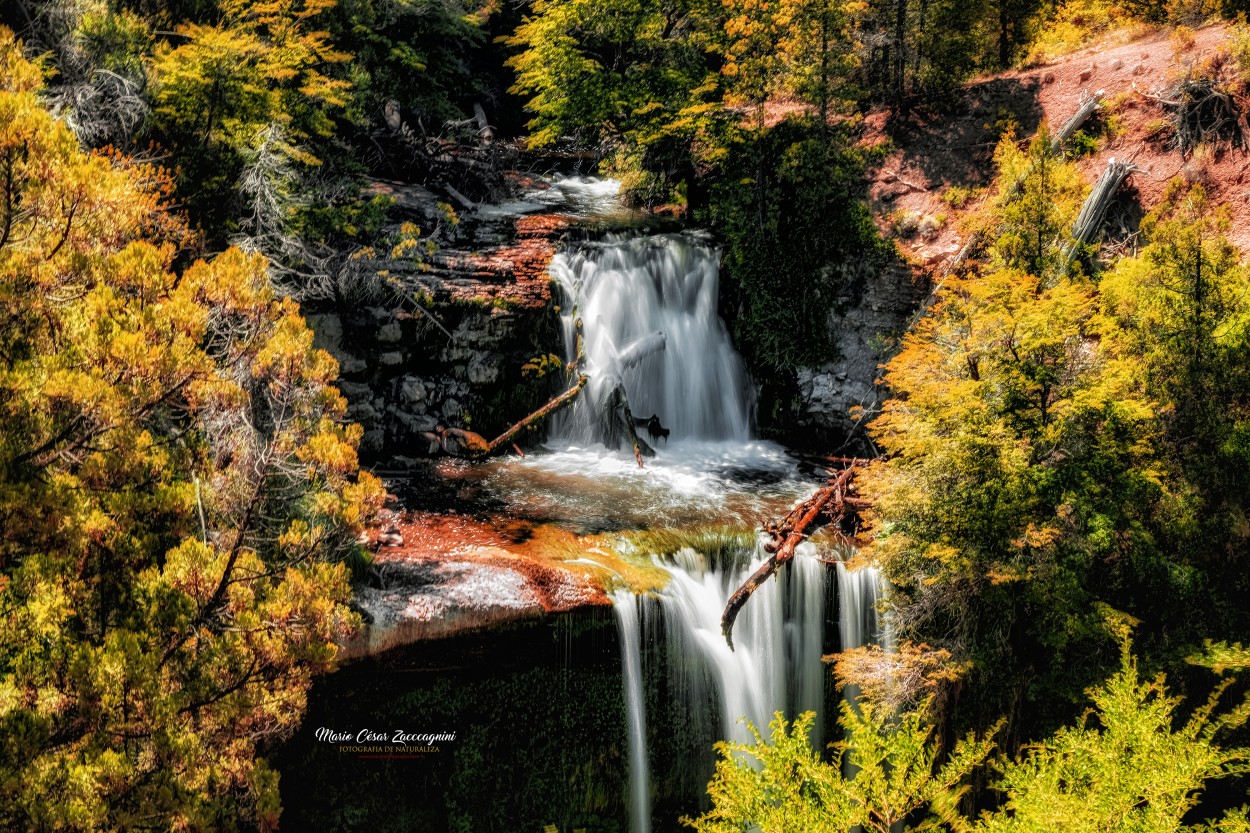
<point x="687" y="523"/>
<point x="647" y="306"/>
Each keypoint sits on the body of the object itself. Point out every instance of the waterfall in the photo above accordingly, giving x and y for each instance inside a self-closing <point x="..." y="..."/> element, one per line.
<point x="648" y="306"/>
<point x="628" y="607"/>
<point x="775" y="667"/>
<point x="859" y="622"/>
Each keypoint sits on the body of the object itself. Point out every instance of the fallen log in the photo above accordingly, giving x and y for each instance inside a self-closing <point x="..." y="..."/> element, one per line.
<point x="1090" y="104"/>
<point x="477" y="446"/>
<point x="1094" y="211"/>
<point x="834" y="499"/>
<point x="533" y="419"/>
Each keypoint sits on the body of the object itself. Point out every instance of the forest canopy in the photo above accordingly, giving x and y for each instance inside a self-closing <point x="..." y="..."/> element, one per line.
<point x="1063" y="459"/>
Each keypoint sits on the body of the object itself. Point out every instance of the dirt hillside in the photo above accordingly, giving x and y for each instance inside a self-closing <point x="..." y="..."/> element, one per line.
<point x="954" y="148"/>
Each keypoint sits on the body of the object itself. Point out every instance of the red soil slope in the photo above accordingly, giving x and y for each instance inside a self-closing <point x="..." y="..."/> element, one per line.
<point x="955" y="148"/>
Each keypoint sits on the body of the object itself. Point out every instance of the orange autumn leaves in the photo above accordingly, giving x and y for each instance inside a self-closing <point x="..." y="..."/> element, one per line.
<point x="178" y="498"/>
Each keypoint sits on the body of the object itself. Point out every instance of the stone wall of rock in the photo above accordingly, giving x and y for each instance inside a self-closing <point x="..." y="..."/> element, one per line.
<point x="449" y="354"/>
<point x="875" y="310"/>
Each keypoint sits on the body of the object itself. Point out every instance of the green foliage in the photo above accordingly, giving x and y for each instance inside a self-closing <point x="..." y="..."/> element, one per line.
<point x="423" y="55"/>
<point x="177" y="494"/>
<point x="1025" y="480"/>
<point x="540" y="367"/>
<point x="1074" y="24"/>
<point x="1179" y="311"/>
<point x="783" y="786"/>
<point x="957" y="196"/>
<point x="1130" y="764"/>
<point x="224" y="85"/>
<point x="595" y="70"/>
<point x="1083" y="144"/>
<point x="786" y="204"/>
<point x="1057" y="445"/>
<point x="1039" y="199"/>
<point x="116" y="41"/>
<point x="1221" y="656"/>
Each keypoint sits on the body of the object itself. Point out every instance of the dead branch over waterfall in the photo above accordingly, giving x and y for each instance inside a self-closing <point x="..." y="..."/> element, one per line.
<point x="837" y="500"/>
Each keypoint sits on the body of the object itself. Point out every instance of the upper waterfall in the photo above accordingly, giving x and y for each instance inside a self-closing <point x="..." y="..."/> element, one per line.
<point x="648" y="306"/>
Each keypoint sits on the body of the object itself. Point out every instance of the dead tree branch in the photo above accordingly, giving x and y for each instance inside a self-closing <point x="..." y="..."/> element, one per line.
<point x="836" y="500"/>
<point x="1090" y="104"/>
<point x="1094" y="211"/>
<point x="537" y="417"/>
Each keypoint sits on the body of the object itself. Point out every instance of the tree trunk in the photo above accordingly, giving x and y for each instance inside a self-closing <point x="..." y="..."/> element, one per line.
<point x="1004" y="35"/>
<point x="900" y="57"/>
<point x="1089" y="221"/>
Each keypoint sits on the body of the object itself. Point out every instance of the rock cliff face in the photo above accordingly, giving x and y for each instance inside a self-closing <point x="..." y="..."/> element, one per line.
<point x="450" y="355"/>
<point x="873" y="314"/>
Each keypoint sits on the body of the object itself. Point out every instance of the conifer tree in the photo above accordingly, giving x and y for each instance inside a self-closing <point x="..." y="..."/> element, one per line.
<point x="178" y="500"/>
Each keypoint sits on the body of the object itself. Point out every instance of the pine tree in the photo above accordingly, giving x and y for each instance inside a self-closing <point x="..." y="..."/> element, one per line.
<point x="178" y="496"/>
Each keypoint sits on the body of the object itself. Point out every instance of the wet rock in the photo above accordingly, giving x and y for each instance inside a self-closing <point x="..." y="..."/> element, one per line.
<point x="481" y="369"/>
<point x="882" y="307"/>
<point x="392" y="359"/>
<point x="390" y="333"/>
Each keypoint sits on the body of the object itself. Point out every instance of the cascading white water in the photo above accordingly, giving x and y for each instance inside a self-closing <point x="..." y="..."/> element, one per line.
<point x="648" y="306"/>
<point x="628" y="608"/>
<point x="860" y="623"/>
<point x="775" y="665"/>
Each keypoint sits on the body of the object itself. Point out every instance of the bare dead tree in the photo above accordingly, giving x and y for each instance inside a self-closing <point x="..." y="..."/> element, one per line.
<point x="837" y="500"/>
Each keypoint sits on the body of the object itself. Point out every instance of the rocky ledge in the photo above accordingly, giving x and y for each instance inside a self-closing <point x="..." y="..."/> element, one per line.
<point x="439" y="574"/>
<point x="451" y="354"/>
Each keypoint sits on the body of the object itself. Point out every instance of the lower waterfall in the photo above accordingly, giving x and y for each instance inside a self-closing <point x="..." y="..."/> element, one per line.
<point x="775" y="667"/>
<point x="628" y="609"/>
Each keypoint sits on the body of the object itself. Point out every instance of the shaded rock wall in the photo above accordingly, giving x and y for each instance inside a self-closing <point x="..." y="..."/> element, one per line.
<point x="874" y="312"/>
<point x="451" y="353"/>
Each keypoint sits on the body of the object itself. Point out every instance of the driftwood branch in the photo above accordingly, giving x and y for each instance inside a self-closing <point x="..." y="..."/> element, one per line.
<point x="618" y="418"/>
<point x="564" y="399"/>
<point x="836" y="499"/>
<point x="620" y="426"/>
